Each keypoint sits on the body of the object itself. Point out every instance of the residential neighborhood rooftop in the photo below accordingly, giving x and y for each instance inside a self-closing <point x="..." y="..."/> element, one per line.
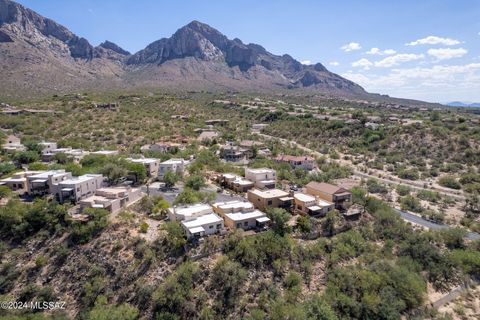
<point x="202" y="220"/>
<point x="271" y="193"/>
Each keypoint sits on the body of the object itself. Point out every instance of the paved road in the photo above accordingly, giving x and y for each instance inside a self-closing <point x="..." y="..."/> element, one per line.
<point x="396" y="181"/>
<point x="431" y="225"/>
<point x="405" y="215"/>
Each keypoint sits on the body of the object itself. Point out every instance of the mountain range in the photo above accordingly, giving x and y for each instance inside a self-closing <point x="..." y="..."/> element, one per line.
<point x="39" y="56"/>
<point x="463" y="104"/>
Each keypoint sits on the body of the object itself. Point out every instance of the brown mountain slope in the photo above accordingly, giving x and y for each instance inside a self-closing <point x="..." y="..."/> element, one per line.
<point x="38" y="56"/>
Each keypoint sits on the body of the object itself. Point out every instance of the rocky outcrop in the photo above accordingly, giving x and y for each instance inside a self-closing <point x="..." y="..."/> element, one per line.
<point x="18" y="21"/>
<point x="200" y="41"/>
<point x="113" y="47"/>
<point x="41" y="55"/>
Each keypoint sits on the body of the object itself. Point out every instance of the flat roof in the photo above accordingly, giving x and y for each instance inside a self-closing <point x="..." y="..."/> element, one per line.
<point x="201" y="220"/>
<point x="173" y="161"/>
<point x="196" y="230"/>
<point x="79" y="179"/>
<point x="46" y="174"/>
<point x="143" y="160"/>
<point x="263" y="219"/>
<point x="324" y="203"/>
<point x="244" y="182"/>
<point x="233" y="204"/>
<point x="13" y="179"/>
<point x="39" y="181"/>
<point x="191" y="210"/>
<point x="268" y="181"/>
<point x="271" y="193"/>
<point x="105" y="152"/>
<point x="239" y="216"/>
<point x="303" y="197"/>
<point x="260" y="170"/>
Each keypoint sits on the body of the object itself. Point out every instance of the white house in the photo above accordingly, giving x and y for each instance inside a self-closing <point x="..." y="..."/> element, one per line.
<point x="48" y="147"/>
<point x="45" y="182"/>
<point x="105" y="152"/>
<point x="18" y="181"/>
<point x="298" y="162"/>
<point x="311" y="205"/>
<point x="77" y="188"/>
<point x="240" y="215"/>
<point x="13" y="144"/>
<point x="111" y="199"/>
<point x="188" y="212"/>
<point x="176" y="165"/>
<point x="204" y="225"/>
<point x="263" y="178"/>
<point x="151" y="164"/>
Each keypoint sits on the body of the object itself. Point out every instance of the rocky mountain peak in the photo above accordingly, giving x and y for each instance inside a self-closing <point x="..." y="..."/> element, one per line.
<point x="114" y="47"/>
<point x="196" y="54"/>
<point x="16" y="21"/>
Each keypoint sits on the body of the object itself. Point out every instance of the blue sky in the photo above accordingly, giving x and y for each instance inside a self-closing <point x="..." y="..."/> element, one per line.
<point x="440" y="63"/>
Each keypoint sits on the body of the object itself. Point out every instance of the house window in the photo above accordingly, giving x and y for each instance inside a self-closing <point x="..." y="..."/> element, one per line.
<point x="245" y="224"/>
<point x="219" y="226"/>
<point x="269" y="202"/>
<point x="210" y="227"/>
<point x="239" y="225"/>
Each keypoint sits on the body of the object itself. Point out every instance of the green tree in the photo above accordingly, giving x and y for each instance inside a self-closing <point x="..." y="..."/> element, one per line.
<point x="331" y="220"/>
<point x="103" y="311"/>
<point x="316" y="308"/>
<point x="293" y="286"/>
<point x="280" y="218"/>
<point x="227" y="281"/>
<point x="175" y="238"/>
<point x="304" y="224"/>
<point x="359" y="196"/>
<point x="61" y="158"/>
<point x="26" y="157"/>
<point x="83" y="232"/>
<point x="171" y="178"/>
<point x="195" y="182"/>
<point x="6" y="168"/>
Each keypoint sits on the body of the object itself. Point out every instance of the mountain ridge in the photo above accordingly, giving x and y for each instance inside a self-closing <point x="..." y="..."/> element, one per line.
<point x="463" y="104"/>
<point x="40" y="55"/>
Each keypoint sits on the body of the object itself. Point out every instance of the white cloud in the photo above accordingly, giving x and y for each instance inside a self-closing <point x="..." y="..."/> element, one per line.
<point x="377" y="51"/>
<point x="397" y="59"/>
<point x="434" y="40"/>
<point x="436" y="83"/>
<point x="334" y="63"/>
<point x="447" y="53"/>
<point x="373" y="51"/>
<point x="352" y="46"/>
<point x="306" y="62"/>
<point x="362" y="63"/>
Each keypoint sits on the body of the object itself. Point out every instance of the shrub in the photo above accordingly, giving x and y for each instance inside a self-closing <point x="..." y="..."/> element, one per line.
<point x="403" y="190"/>
<point x="449" y="182"/>
<point x="411" y="204"/>
<point x="144" y="227"/>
